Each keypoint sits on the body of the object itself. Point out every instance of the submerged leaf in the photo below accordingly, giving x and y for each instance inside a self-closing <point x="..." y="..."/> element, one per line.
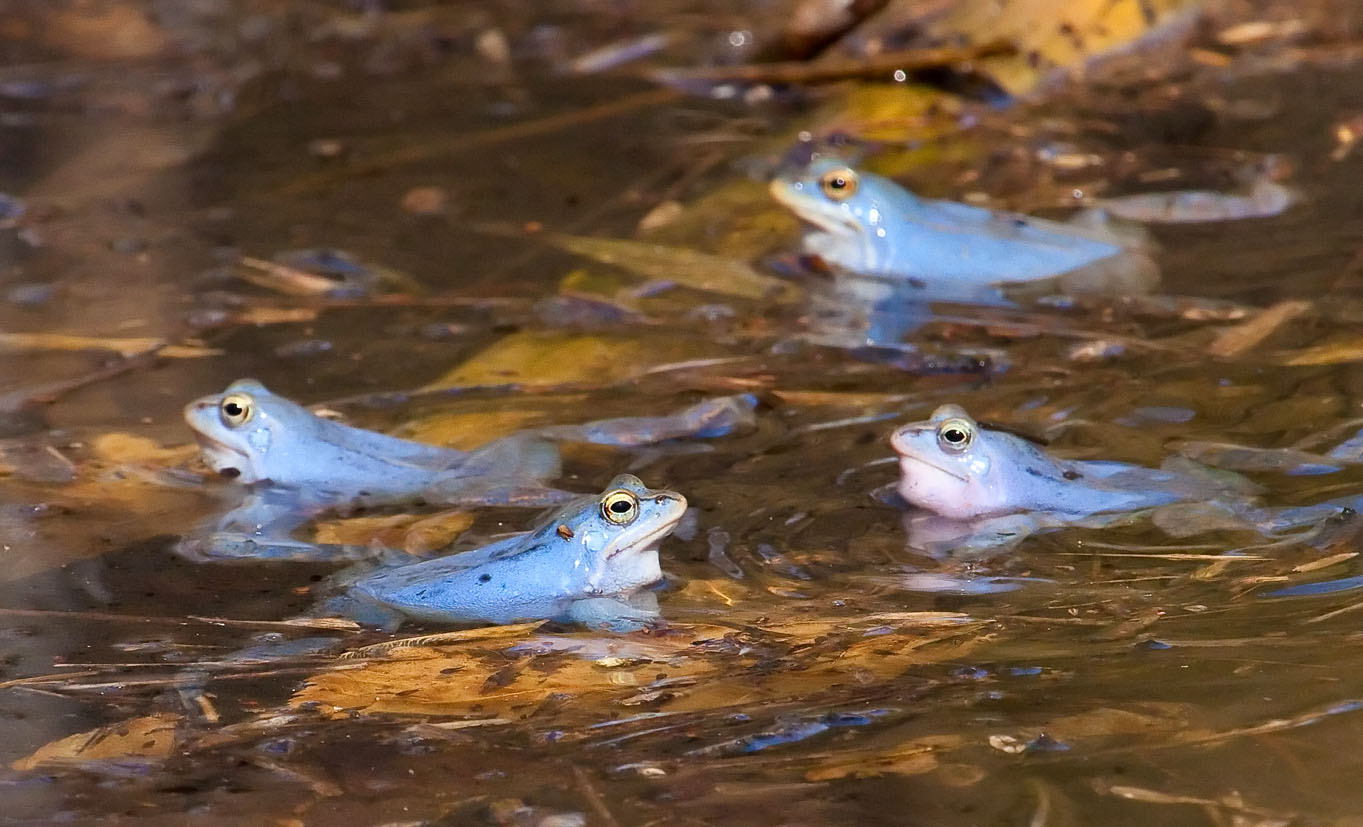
<point x="686" y="267"/>
<point x="126" y="347"/>
<point x="148" y="739"/>
<point x="1054" y="34"/>
<point x="466" y="430"/>
<point x="409" y="532"/>
<point x="548" y="359"/>
<point x="120" y="447"/>
<point x="1339" y="352"/>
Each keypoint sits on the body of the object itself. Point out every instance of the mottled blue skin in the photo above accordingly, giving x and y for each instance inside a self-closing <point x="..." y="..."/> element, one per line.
<point x="299" y="464"/>
<point x="574" y="555"/>
<point x="994" y="472"/>
<point x="881" y="229"/>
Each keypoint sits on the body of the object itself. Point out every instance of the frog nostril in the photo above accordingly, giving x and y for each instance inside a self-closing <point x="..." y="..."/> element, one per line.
<point x="230" y="473"/>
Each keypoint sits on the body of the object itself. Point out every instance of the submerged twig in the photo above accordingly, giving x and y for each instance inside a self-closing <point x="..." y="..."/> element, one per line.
<point x="329" y="623"/>
<point x="593" y="797"/>
<point x="882" y="66"/>
<point x="484" y="139"/>
<point x="481" y="633"/>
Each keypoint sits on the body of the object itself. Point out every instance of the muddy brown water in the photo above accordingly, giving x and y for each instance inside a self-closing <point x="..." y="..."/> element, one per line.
<point x="1131" y="676"/>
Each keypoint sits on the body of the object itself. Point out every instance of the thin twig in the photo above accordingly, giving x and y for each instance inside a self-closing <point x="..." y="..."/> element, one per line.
<point x="827" y="71"/>
<point x="329" y="623"/>
<point x="484" y="139"/>
<point x="594" y="798"/>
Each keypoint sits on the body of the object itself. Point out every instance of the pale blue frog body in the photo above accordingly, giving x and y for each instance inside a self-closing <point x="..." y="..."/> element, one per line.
<point x="870" y="226"/>
<point x="996" y="487"/>
<point x="587" y="561"/>
<point x="298" y="464"/>
<point x="251" y="435"/>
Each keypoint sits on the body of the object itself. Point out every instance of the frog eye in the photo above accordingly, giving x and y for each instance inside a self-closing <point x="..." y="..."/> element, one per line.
<point x="620" y="507"/>
<point x="839" y="184"/>
<point x="955" y="434"/>
<point x="236" y="409"/>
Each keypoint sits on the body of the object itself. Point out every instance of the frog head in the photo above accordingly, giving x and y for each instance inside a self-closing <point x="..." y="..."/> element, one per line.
<point x="850" y="211"/>
<point x="614" y="536"/>
<point x="247" y="433"/>
<point x="950" y="465"/>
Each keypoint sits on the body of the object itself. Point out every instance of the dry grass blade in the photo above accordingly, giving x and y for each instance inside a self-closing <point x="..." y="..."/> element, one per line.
<point x="1352" y="607"/>
<point x="334" y="624"/>
<point x="125" y="347"/>
<point x="284" y="279"/>
<point x="462" y="636"/>
<point x="1199" y="558"/>
<point x="1237" y="340"/>
<point x="1339" y="352"/>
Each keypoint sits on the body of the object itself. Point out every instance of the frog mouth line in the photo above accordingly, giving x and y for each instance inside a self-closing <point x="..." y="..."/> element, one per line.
<point x="811" y="212"/>
<point x="647" y="541"/>
<point x="935" y="467"/>
<point x="215" y="448"/>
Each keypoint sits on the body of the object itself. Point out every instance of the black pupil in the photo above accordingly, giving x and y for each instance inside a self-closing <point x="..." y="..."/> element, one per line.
<point x="837" y="183"/>
<point x="620" y="506"/>
<point x="954" y="435"/>
<point x="232" y="409"/>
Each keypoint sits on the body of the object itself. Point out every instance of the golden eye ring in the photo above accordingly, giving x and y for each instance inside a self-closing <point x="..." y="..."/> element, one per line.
<point x="839" y="184"/>
<point x="955" y="434"/>
<point x="236" y="409"/>
<point x="620" y="507"/>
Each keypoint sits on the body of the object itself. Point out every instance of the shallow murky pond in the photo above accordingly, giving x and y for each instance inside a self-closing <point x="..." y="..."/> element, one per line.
<point x="475" y="180"/>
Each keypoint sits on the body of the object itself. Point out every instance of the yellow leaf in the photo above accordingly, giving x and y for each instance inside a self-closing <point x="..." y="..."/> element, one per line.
<point x="466" y="430"/>
<point x="151" y="738"/>
<point x="685" y="266"/>
<point x="1053" y="34"/>
<point x="558" y="358"/>
<point x="1332" y="353"/>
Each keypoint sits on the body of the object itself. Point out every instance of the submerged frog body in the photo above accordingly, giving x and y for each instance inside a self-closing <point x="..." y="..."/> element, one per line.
<point x="251" y="435"/>
<point x="871" y="226"/>
<point x="952" y="466"/>
<point x="582" y="562"/>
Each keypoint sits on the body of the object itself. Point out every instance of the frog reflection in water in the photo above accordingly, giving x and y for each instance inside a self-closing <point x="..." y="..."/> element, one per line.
<point x="586" y="562"/>
<point x="299" y="463"/>
<point x="910" y="250"/>
<point x="995" y="487"/>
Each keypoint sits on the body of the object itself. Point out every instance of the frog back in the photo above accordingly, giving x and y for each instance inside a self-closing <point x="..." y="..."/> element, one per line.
<point x="945" y="240"/>
<point x="530" y="584"/>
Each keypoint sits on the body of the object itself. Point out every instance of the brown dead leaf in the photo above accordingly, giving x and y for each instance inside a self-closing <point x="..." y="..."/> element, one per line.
<point x="411" y="533"/>
<point x="444" y="680"/>
<point x="119" y="447"/>
<point x="103" y="31"/>
<point x="913" y="757"/>
<point x="148" y="739"/>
